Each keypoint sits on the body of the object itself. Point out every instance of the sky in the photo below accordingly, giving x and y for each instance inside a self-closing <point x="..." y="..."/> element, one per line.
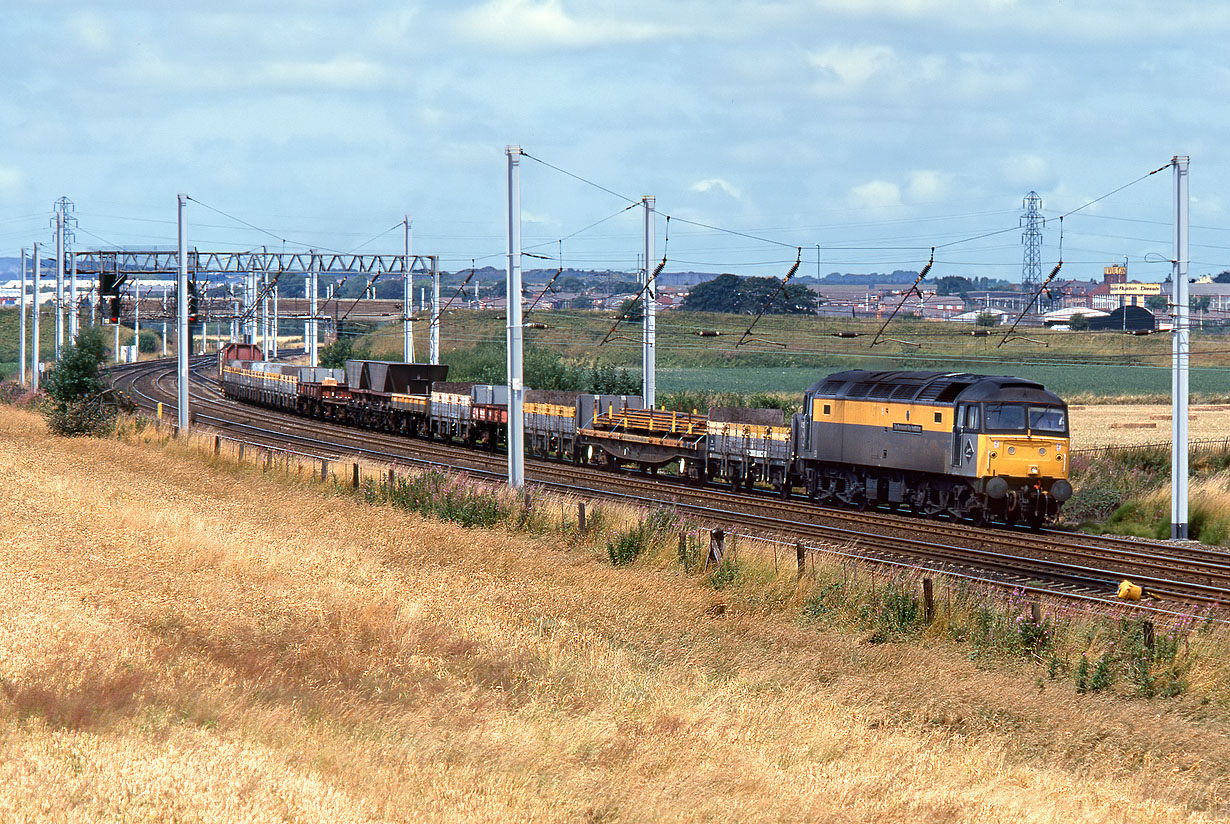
<point x="852" y="135"/>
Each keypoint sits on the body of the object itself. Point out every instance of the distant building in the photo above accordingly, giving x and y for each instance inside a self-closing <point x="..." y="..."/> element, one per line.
<point x="1115" y="291"/>
<point x="1125" y="319"/>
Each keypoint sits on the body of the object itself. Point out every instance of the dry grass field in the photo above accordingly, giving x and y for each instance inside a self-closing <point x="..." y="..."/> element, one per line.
<point x="182" y="641"/>
<point x="1122" y="424"/>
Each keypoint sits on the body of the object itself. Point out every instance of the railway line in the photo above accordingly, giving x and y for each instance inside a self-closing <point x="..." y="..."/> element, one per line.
<point x="1079" y="566"/>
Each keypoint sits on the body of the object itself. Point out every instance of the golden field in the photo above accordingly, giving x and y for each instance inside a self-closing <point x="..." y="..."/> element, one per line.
<point x="181" y="640"/>
<point x="1124" y="424"/>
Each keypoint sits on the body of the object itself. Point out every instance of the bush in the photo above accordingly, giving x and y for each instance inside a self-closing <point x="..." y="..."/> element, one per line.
<point x="147" y="341"/>
<point x="77" y="399"/>
<point x="542" y="367"/>
<point x="630" y="544"/>
<point x="335" y="355"/>
<point x="436" y="494"/>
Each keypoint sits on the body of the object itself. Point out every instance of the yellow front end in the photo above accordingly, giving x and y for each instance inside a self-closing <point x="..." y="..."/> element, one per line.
<point x="1023" y="457"/>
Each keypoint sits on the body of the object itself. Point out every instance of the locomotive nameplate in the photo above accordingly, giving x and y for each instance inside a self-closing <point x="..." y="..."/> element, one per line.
<point x="912" y="428"/>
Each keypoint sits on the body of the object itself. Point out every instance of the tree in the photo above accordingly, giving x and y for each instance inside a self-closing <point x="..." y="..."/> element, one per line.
<point x="78" y="400"/>
<point x="1078" y="323"/>
<point x="1157" y="304"/>
<point x="147" y="341"/>
<point x="747" y="296"/>
<point x="632" y="310"/>
<point x="987" y="319"/>
<point x="1200" y="304"/>
<point x="335" y="355"/>
<point x="1222" y="277"/>
<point x="953" y="285"/>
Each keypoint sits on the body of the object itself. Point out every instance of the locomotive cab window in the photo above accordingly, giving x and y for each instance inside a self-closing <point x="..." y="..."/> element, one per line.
<point x="1048" y="419"/>
<point x="828" y="409"/>
<point x="1005" y="417"/>
<point x="971" y="418"/>
<point x="939" y="417"/>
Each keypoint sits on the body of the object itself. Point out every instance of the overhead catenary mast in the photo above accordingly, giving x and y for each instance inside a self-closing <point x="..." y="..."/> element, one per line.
<point x="649" y="357"/>
<point x="516" y="390"/>
<point x="181" y="344"/>
<point x="1181" y="350"/>
<point x="407" y="299"/>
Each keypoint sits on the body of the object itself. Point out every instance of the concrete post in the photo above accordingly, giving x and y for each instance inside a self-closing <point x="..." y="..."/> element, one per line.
<point x="407" y="300"/>
<point x="649" y="358"/>
<point x="34" y="358"/>
<point x="516" y="389"/>
<point x="21" y="323"/>
<point x="313" y="354"/>
<point x="1181" y="350"/>
<point x="181" y="344"/>
<point x="435" y="305"/>
<point x="59" y="283"/>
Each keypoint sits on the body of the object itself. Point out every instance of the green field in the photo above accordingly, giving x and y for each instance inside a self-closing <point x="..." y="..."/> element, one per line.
<point x="1067" y="381"/>
<point x="786" y="354"/>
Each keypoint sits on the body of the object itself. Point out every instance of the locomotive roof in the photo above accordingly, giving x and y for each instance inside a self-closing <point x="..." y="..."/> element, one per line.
<point x="930" y="387"/>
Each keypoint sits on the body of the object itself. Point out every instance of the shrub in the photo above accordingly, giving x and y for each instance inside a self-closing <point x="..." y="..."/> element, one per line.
<point x="628" y="545"/>
<point x="77" y="398"/>
<point x="439" y="495"/>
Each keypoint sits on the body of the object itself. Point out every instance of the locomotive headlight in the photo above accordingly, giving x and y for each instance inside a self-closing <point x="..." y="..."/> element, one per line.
<point x="1012" y="450"/>
<point x="1042" y="450"/>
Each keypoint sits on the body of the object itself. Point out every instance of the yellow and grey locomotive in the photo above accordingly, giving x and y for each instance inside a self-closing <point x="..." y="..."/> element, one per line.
<point x="940" y="443"/>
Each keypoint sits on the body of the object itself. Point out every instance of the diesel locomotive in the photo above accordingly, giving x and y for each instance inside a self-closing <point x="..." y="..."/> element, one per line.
<point x="944" y="444"/>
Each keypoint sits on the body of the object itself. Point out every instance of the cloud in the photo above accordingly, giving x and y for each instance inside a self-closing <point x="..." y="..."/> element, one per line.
<point x="532" y="24"/>
<point x="876" y="194"/>
<point x="1025" y="170"/>
<point x="925" y="185"/>
<point x="11" y="180"/>
<point x="880" y="72"/>
<point x="91" y="31"/>
<point x="337" y="73"/>
<point x="149" y="68"/>
<point x="711" y="184"/>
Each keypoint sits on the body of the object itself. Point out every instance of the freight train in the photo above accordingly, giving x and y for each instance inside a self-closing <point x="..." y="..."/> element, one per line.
<point x="973" y="447"/>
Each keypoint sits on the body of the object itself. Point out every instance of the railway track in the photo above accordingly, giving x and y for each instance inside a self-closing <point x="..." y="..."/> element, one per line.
<point x="1073" y="565"/>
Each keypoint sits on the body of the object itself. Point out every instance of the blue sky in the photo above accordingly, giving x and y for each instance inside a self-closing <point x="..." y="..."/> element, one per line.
<point x="876" y="129"/>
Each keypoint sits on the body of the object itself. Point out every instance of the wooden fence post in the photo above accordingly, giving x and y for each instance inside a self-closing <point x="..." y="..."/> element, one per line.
<point x="241" y="451"/>
<point x="928" y="601"/>
<point x="355" y="477"/>
<point x="800" y="558"/>
<point x="581" y="517"/>
<point x="683" y="550"/>
<point x="1035" y="612"/>
<point x="392" y="478"/>
<point x="217" y="444"/>
<point x="324" y="469"/>
<point x="1146" y="629"/>
<point x="717" y="547"/>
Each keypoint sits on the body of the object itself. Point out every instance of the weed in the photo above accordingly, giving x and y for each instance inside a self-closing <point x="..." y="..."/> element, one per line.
<point x="439" y="495"/>
<point x="725" y="574"/>
<point x="900" y="611"/>
<point x="626" y="546"/>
